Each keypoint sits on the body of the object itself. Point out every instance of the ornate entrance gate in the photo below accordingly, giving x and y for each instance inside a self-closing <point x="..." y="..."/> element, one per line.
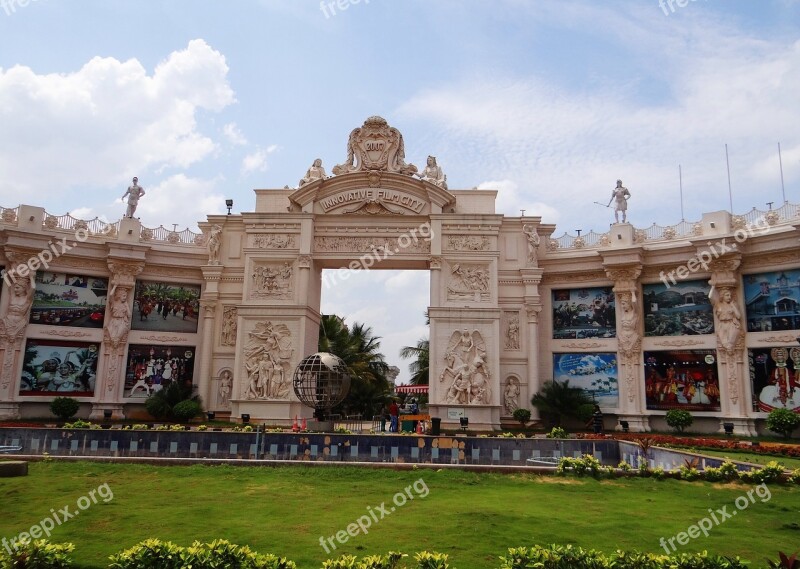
<point x="375" y="211"/>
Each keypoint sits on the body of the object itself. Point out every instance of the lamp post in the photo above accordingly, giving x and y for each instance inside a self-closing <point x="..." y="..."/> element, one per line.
<point x="229" y="205"/>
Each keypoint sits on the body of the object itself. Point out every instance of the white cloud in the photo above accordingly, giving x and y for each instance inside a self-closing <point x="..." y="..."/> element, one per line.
<point x="233" y="134"/>
<point x="100" y="125"/>
<point x="257" y="161"/>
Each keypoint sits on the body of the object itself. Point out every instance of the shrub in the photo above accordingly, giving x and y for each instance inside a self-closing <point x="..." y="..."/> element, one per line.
<point x="522" y="416"/>
<point x="431" y="560"/>
<point x="557" y="433"/>
<point x="624" y="466"/>
<point x="37" y="554"/>
<point x="771" y="472"/>
<point x="186" y="410"/>
<point x="586" y="464"/>
<point x="795" y="476"/>
<point x="157" y="554"/>
<point x="162" y="403"/>
<point x="783" y="421"/>
<point x="79" y="424"/>
<point x="558" y="556"/>
<point x="679" y="419"/>
<point x="64" y="407"/>
<point x="689" y="473"/>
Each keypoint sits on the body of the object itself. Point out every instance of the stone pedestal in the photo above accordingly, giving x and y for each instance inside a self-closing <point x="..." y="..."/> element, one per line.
<point x="636" y="423"/>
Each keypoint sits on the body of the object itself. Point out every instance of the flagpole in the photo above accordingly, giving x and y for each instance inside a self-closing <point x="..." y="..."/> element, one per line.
<point x="680" y="181"/>
<point x="730" y="192"/>
<point x="780" y="162"/>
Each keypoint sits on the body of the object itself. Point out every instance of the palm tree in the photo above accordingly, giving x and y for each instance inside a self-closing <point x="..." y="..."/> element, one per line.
<point x="557" y="401"/>
<point x="420" y="367"/>
<point x="359" y="350"/>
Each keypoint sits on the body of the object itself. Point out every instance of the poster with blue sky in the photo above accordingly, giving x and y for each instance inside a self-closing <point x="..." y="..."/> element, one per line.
<point x="595" y="373"/>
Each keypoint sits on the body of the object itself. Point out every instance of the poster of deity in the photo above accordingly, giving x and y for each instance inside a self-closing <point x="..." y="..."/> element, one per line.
<point x="771" y="301"/>
<point x="166" y="307"/>
<point x="775" y="378"/>
<point x="152" y="368"/>
<point x="584" y="313"/>
<point x="59" y="368"/>
<point x="69" y="300"/>
<point x="683" y="309"/>
<point x="681" y="379"/>
<point x="595" y="373"/>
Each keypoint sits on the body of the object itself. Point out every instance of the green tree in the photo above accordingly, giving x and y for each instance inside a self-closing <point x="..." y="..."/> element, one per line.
<point x="679" y="419"/>
<point x="359" y="349"/>
<point x="557" y="401"/>
<point x="420" y="367"/>
<point x="783" y="421"/>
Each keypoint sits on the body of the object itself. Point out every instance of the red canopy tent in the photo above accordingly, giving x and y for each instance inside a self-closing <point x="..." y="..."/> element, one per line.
<point x="411" y="389"/>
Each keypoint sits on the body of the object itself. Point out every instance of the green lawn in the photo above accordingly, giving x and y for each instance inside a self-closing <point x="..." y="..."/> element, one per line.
<point x="472" y="517"/>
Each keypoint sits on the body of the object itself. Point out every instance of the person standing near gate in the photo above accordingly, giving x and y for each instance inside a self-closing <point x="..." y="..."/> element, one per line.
<point x="394" y="415"/>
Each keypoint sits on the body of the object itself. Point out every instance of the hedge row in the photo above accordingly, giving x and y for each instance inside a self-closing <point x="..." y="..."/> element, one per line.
<point x="157" y="554"/>
<point x="773" y="471"/>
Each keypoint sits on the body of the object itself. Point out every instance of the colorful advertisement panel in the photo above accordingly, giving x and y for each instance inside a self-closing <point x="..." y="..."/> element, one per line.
<point x="584" y="313"/>
<point x="771" y="301"/>
<point x="683" y="309"/>
<point x="63" y="299"/>
<point x="595" y="373"/>
<point x="166" y="307"/>
<point x="775" y="378"/>
<point x="152" y="368"/>
<point x="681" y="379"/>
<point x="59" y="368"/>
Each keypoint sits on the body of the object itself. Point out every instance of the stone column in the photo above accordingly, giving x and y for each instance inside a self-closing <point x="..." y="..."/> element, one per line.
<point x="17" y="302"/>
<point x="629" y="344"/>
<point x="111" y="369"/>
<point x="208" y="307"/>
<point x="733" y="376"/>
<point x="532" y="302"/>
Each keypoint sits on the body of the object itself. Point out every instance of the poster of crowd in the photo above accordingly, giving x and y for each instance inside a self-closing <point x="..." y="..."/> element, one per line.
<point x="59" y="367"/>
<point x="166" y="307"/>
<point x="683" y="309"/>
<point x="771" y="301"/>
<point x="63" y="299"/>
<point x="775" y="378"/>
<point x="595" y="373"/>
<point x="152" y="368"/>
<point x="584" y="313"/>
<point x="681" y="379"/>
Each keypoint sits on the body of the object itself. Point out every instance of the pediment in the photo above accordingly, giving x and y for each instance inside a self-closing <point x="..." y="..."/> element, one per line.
<point x="371" y="193"/>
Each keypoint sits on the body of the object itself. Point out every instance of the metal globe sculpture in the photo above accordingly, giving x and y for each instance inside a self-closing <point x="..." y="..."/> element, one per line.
<point x="321" y="381"/>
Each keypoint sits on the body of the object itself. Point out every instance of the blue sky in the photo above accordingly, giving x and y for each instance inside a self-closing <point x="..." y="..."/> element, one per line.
<point x="548" y="101"/>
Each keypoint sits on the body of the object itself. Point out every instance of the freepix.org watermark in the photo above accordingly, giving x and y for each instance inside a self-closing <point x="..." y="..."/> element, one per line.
<point x="329" y="7"/>
<point x="43" y="259"/>
<point x="714" y="251"/>
<point x="380" y="253"/>
<point x="10" y="6"/>
<point x="363" y="523"/>
<point x="663" y="4"/>
<point x="716" y="517"/>
<point x="56" y="518"/>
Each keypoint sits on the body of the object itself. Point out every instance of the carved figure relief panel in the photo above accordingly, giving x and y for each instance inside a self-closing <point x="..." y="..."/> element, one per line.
<point x="272" y="241"/>
<point x="267" y="362"/>
<point x="229" y="326"/>
<point x="272" y="281"/>
<point x="469" y="281"/>
<point x="511" y="327"/>
<point x="466" y="375"/>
